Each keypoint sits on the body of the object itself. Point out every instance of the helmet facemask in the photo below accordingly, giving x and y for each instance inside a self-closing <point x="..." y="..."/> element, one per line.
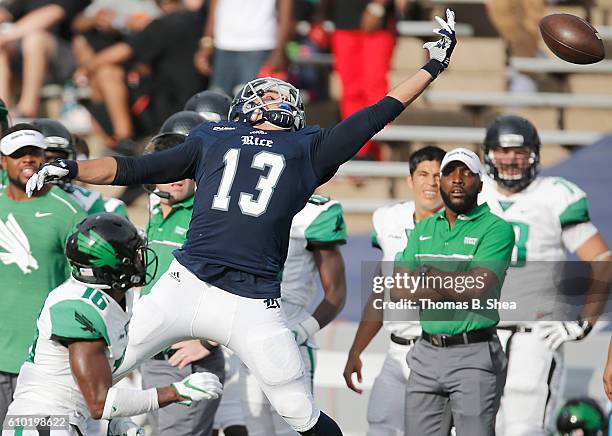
<point x="271" y="101"/>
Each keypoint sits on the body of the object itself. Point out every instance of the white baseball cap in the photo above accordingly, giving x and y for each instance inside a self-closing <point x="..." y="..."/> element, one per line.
<point x="22" y="138"/>
<point x="468" y="157"/>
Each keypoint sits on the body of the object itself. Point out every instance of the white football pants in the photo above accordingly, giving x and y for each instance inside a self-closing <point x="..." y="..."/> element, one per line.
<point x="534" y="386"/>
<point x="261" y="419"/>
<point x="180" y="306"/>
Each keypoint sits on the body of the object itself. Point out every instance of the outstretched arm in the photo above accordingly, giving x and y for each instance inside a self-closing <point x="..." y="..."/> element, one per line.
<point x="341" y="142"/>
<point x="167" y="166"/>
<point x="92" y="372"/>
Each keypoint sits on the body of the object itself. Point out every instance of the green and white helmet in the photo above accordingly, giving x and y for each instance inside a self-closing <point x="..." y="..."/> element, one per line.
<point x="581" y="417"/>
<point x="107" y="249"/>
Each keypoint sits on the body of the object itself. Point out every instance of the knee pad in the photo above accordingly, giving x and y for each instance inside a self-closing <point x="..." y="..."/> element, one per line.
<point x="297" y="410"/>
<point x="325" y="426"/>
<point x="275" y="358"/>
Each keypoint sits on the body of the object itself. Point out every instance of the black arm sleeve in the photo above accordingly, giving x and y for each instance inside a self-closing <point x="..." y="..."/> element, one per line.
<point x="167" y="166"/>
<point x="338" y="144"/>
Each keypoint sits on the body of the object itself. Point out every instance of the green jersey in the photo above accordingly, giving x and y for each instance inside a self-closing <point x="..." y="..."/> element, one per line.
<point x="93" y="202"/>
<point x="33" y="234"/>
<point x="478" y="239"/>
<point x="167" y="234"/>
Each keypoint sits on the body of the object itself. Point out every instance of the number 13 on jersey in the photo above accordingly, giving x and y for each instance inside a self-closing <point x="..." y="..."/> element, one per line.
<point x="265" y="185"/>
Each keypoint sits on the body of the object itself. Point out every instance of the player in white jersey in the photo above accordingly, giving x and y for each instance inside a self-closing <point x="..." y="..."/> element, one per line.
<point x="316" y="232"/>
<point x="392" y="225"/>
<point x="550" y="218"/>
<point x="82" y="334"/>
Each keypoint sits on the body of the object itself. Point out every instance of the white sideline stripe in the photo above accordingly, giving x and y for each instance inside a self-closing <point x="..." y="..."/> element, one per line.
<point x="330" y="365"/>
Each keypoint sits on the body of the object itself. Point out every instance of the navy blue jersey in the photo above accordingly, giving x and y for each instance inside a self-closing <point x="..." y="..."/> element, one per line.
<point x="251" y="183"/>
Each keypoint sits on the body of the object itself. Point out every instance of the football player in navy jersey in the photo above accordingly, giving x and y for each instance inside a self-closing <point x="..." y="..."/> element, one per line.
<point x="254" y="173"/>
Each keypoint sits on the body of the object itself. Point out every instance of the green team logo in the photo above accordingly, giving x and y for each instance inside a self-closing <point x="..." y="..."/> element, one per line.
<point x="97" y="247"/>
<point x="86" y="324"/>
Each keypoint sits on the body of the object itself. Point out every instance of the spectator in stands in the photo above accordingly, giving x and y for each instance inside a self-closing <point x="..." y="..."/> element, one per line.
<point x="32" y="260"/>
<point x="247" y="38"/>
<point x="517" y="23"/>
<point x="40" y="34"/>
<point x="362" y="46"/>
<point x="166" y="46"/>
<point x="102" y="24"/>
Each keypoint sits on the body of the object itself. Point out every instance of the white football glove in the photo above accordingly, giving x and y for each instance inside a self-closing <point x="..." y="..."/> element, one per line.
<point x="442" y="49"/>
<point x="555" y="333"/>
<point x="124" y="427"/>
<point x="303" y="331"/>
<point x="47" y="172"/>
<point x="197" y="387"/>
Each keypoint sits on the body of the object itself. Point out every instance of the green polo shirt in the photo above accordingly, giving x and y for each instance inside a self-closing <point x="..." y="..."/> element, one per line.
<point x="167" y="234"/>
<point x="478" y="239"/>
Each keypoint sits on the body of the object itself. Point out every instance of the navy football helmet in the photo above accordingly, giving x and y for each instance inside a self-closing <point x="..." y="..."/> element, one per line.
<point x="250" y="107"/>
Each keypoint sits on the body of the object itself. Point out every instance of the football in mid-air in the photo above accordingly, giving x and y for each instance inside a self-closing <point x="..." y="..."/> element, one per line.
<point x="572" y="39"/>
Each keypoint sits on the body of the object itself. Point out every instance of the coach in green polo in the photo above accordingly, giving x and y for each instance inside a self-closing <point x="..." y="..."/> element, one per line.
<point x="460" y="255"/>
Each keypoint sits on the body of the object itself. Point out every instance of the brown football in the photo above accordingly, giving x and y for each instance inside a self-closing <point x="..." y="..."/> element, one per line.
<point x="572" y="39"/>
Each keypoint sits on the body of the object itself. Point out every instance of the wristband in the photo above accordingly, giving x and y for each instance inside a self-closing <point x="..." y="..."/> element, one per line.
<point x="71" y="165"/>
<point x="129" y="402"/>
<point x="433" y="67"/>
